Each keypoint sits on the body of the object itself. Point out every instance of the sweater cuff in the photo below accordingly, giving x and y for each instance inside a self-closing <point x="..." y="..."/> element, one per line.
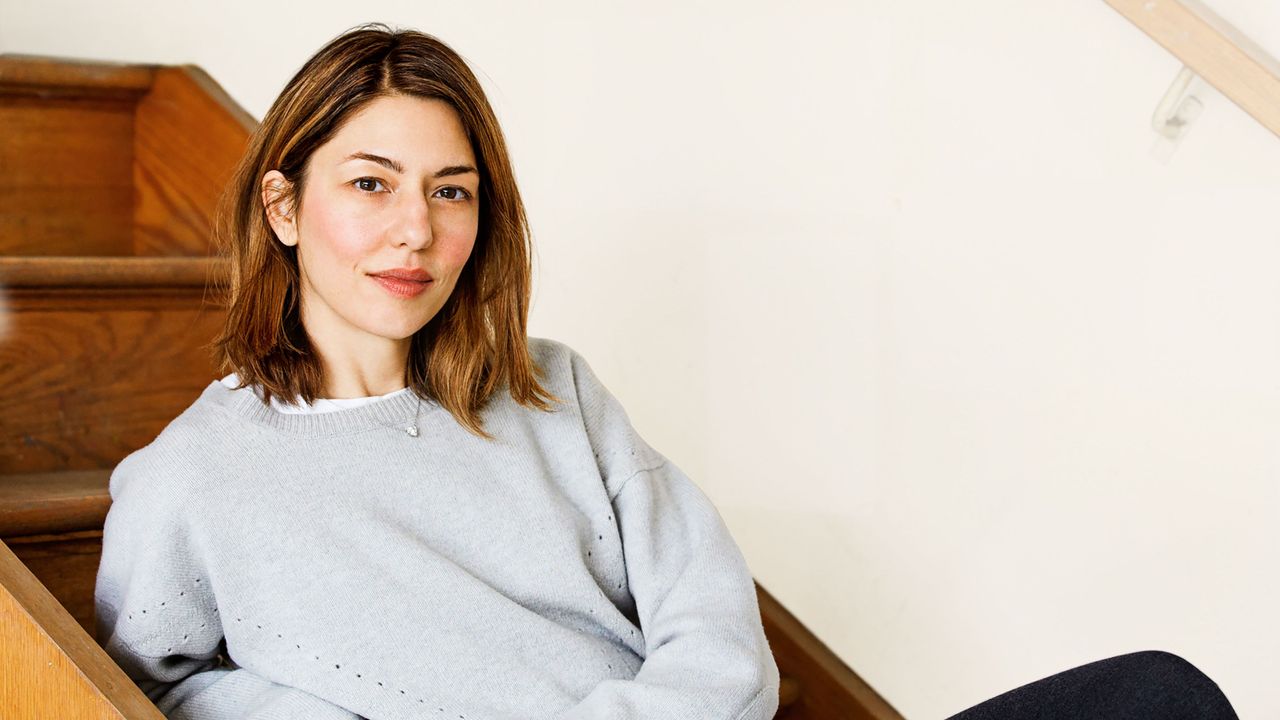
<point x="763" y="706"/>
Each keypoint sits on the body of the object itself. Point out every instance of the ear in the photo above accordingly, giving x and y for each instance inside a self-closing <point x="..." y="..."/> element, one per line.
<point x="280" y="213"/>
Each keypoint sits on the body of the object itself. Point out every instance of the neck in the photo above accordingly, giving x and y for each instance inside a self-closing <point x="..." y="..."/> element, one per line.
<point x="357" y="363"/>
<point x="365" y="374"/>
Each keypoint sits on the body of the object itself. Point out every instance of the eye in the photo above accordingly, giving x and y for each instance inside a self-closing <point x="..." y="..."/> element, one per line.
<point x="366" y="184"/>
<point x="453" y="192"/>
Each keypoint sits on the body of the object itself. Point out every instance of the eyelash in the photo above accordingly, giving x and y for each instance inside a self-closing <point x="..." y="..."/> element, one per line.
<point x="466" y="195"/>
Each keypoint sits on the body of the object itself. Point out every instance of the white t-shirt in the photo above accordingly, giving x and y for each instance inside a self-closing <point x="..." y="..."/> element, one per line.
<point x="321" y="405"/>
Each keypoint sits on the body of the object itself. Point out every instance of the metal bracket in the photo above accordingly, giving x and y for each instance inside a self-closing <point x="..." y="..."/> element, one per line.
<point x="1179" y="107"/>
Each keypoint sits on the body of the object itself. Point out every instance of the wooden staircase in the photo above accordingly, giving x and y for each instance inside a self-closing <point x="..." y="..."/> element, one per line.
<point x="112" y="174"/>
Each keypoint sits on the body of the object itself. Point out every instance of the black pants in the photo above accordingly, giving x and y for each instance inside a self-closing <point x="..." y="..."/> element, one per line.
<point x="1151" y="685"/>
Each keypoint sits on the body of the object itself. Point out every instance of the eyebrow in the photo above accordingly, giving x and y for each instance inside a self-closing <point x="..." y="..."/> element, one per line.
<point x="390" y="164"/>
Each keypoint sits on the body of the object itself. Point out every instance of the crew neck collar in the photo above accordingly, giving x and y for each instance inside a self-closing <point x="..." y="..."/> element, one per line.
<point x="390" y="412"/>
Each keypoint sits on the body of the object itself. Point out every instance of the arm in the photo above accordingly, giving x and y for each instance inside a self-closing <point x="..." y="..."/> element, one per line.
<point x="158" y="619"/>
<point x="706" y="653"/>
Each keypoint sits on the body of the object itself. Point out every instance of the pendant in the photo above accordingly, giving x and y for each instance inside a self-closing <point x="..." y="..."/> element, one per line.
<point x="412" y="430"/>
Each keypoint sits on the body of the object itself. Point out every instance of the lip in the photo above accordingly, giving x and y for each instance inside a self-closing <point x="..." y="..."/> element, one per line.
<point x="401" y="288"/>
<point x="405" y="273"/>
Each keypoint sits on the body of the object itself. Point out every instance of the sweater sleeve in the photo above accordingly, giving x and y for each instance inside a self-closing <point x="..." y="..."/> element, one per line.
<point x="156" y="614"/>
<point x="707" y="657"/>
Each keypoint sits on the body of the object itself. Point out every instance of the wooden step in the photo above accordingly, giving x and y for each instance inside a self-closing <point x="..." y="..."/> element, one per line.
<point x="65" y="273"/>
<point x="53" y="523"/>
<point x="52" y="503"/>
<point x="104" y="159"/>
<point x="47" y="78"/>
<point x="94" y="373"/>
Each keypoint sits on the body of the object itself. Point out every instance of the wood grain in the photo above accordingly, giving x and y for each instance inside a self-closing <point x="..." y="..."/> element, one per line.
<point x="67" y="185"/>
<point x="91" y="377"/>
<point x="187" y="144"/>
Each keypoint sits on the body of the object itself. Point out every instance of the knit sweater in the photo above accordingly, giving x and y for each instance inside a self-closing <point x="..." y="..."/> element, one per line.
<point x="329" y="565"/>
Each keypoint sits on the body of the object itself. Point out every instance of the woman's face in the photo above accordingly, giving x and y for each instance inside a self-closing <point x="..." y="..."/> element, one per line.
<point x="395" y="188"/>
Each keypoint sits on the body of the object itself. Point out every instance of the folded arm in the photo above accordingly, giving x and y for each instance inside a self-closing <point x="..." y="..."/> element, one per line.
<point x="706" y="655"/>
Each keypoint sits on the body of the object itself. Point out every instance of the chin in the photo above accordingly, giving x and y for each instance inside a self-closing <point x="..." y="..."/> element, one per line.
<point x="407" y="331"/>
<point x="404" y="334"/>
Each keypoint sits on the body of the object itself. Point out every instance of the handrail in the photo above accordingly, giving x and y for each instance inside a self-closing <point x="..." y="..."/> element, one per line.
<point x="1215" y="50"/>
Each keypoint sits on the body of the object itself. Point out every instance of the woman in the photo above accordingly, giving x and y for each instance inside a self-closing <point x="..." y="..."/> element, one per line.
<point x="396" y="504"/>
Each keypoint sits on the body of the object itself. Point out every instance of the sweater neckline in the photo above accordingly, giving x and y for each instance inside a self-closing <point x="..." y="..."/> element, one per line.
<point x="394" y="412"/>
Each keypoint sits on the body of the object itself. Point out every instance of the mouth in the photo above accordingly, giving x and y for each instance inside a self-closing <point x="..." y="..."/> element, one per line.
<point x="400" y="287"/>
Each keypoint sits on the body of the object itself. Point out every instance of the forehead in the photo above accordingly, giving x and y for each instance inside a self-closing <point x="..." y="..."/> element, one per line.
<point x="416" y="131"/>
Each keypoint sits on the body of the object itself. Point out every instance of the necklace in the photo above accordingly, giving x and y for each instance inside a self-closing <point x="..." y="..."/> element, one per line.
<point x="412" y="429"/>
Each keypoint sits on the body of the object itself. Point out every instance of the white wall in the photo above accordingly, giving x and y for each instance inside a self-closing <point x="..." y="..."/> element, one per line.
<point x="984" y="389"/>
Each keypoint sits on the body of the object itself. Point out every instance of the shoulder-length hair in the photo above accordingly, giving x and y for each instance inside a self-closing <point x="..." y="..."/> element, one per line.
<point x="477" y="342"/>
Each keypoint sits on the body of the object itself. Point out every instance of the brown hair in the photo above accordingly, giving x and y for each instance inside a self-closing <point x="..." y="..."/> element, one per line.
<point x="477" y="342"/>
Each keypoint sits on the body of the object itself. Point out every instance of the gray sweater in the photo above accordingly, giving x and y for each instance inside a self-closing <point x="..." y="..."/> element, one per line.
<point x="264" y="565"/>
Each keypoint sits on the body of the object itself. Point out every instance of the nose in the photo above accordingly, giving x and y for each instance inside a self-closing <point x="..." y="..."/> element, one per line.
<point x="412" y="226"/>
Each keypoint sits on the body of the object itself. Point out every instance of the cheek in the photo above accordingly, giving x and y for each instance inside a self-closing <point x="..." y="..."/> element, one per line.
<point x="340" y="237"/>
<point x="458" y="253"/>
<point x="455" y="246"/>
